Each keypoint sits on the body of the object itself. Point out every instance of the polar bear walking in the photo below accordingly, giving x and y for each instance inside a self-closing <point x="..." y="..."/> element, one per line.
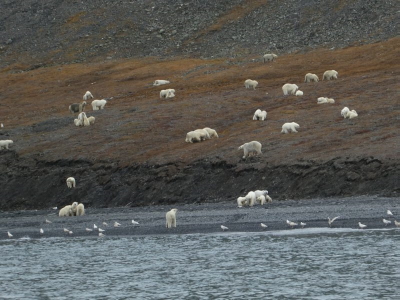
<point x="289" y="127"/>
<point x="252" y="147"/>
<point x="171" y="218"/>
<point x="71" y="183"/>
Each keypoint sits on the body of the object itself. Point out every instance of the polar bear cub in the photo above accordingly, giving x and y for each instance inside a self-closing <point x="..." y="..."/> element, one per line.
<point x="250" y="84"/>
<point x="289" y="127"/>
<point x="71" y="183"/>
<point x="5" y="143"/>
<point x="260" y="115"/>
<point x="171" y="218"/>
<point x="252" y="147"/>
<point x="289" y="89"/>
<point x="299" y="93"/>
<point x="241" y="201"/>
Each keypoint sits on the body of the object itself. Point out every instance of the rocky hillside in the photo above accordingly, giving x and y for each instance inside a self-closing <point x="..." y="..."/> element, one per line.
<point x="135" y="153"/>
<point x="59" y="31"/>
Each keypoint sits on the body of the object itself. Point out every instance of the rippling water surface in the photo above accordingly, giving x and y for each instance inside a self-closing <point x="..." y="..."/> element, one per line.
<point x="291" y="264"/>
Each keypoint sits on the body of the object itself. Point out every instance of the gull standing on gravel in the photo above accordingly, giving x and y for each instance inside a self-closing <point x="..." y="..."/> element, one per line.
<point x="302" y="224"/>
<point x="94" y="226"/>
<point x="396" y="223"/>
<point x="389" y="213"/>
<point x="333" y="220"/>
<point x="88" y="229"/>
<point x="101" y="230"/>
<point x="66" y="230"/>
<point x="9" y="234"/>
<point x="224" y="228"/>
<point x="263" y="225"/>
<point x="116" y="224"/>
<point x="386" y="222"/>
<point x="105" y="224"/>
<point x="48" y="221"/>
<point x="362" y="226"/>
<point x="134" y="222"/>
<point x="101" y="234"/>
<point x="291" y="224"/>
<point x="41" y="231"/>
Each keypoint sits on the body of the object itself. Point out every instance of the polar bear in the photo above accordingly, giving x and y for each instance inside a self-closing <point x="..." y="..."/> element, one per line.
<point x="241" y="201"/>
<point x="260" y="115"/>
<point x="77" y="107"/>
<point x="99" y="104"/>
<point x="71" y="183"/>
<point x="168" y="93"/>
<point x="330" y="74"/>
<point x="351" y="114"/>
<point x="211" y="132"/>
<point x="171" y="218"/>
<point x="78" y="122"/>
<point x="251" y="147"/>
<point x="264" y="199"/>
<point x="299" y="93"/>
<point x="83" y="119"/>
<point x="4" y="144"/>
<point x="66" y="211"/>
<point x="91" y="120"/>
<point x="73" y="208"/>
<point x="311" y="77"/>
<point x="344" y="112"/>
<point x="160" y="82"/>
<point x="203" y="134"/>
<point x="88" y="95"/>
<point x="80" y="210"/>
<point x="251" y="198"/>
<point x="289" y="127"/>
<point x="269" y="57"/>
<point x="193" y="136"/>
<point x="250" y="84"/>
<point x="289" y="89"/>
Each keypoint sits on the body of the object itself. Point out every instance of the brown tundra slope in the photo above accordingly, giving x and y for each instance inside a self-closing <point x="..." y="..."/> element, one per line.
<point x="135" y="153"/>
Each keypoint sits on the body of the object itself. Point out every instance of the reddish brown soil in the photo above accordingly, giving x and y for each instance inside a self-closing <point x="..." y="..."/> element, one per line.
<point x="138" y="126"/>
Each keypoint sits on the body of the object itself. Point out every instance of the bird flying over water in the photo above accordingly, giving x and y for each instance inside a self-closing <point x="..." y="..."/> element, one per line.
<point x="362" y="226"/>
<point x="224" y="228"/>
<point x="333" y="220"/>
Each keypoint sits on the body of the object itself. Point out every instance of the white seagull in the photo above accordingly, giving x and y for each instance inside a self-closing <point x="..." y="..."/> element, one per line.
<point x="48" y="221"/>
<point x="134" y="222"/>
<point x="66" y="230"/>
<point x="396" y="223"/>
<point x="291" y="224"/>
<point x="116" y="224"/>
<point x="101" y="230"/>
<point x="9" y="234"/>
<point x="105" y="224"/>
<point x="302" y="224"/>
<point x="333" y="220"/>
<point x="41" y="231"/>
<point x="362" y="226"/>
<point x="389" y="213"/>
<point x="2" y="125"/>
<point x="263" y="225"/>
<point x="386" y="222"/>
<point x="224" y="228"/>
<point x="88" y="229"/>
<point x="101" y="234"/>
<point x="94" y="226"/>
<point x="70" y="232"/>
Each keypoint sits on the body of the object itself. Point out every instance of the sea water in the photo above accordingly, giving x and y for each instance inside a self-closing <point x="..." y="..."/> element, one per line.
<point x="290" y="264"/>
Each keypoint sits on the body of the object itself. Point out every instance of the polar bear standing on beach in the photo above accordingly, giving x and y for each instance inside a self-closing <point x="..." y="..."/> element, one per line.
<point x="66" y="211"/>
<point x="289" y="127"/>
<point x="5" y="143"/>
<point x="252" y="147"/>
<point x="289" y="89"/>
<point x="171" y="218"/>
<point x="80" y="210"/>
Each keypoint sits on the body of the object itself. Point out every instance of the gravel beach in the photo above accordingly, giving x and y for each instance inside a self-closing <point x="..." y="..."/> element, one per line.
<point x="204" y="218"/>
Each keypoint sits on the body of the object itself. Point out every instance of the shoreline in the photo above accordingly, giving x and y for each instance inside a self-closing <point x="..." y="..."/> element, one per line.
<point x="205" y="218"/>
